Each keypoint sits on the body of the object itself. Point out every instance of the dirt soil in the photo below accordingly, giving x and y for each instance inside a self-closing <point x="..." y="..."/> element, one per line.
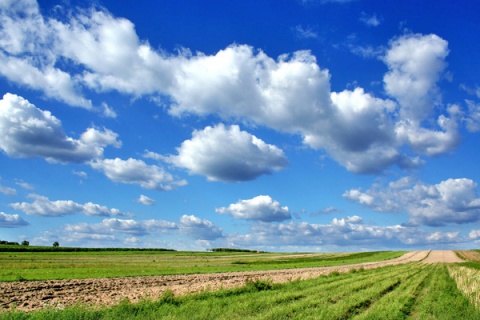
<point x="36" y="295"/>
<point x="444" y="256"/>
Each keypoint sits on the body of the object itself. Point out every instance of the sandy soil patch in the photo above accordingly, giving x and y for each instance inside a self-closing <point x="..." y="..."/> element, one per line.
<point x="36" y="295"/>
<point x="442" y="256"/>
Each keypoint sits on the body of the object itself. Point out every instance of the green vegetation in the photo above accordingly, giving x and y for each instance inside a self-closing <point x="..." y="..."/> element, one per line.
<point x="32" y="265"/>
<point x="15" y="247"/>
<point x="412" y="291"/>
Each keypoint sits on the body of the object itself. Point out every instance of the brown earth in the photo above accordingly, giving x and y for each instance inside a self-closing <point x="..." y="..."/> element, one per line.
<point x="36" y="295"/>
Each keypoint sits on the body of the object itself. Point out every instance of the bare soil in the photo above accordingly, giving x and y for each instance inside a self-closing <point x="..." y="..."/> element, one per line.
<point x="443" y="256"/>
<point x="36" y="295"/>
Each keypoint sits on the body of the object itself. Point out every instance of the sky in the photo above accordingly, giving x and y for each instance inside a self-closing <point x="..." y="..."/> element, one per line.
<point x="276" y="125"/>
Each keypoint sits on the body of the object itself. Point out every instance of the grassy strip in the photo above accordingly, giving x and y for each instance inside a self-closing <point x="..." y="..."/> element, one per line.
<point x="440" y="299"/>
<point x="398" y="303"/>
<point x="80" y="265"/>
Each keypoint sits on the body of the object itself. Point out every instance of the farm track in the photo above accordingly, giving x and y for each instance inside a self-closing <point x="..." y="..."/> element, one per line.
<point x="36" y="295"/>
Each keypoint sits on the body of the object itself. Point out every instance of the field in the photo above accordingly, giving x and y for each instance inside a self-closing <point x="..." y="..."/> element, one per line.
<point x="376" y="285"/>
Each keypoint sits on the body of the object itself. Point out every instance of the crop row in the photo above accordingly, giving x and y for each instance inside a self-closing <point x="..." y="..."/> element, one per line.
<point x="415" y="291"/>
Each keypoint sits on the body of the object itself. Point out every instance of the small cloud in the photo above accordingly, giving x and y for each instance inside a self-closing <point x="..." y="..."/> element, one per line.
<point x="81" y="174"/>
<point x="371" y="21"/>
<point x="199" y="229"/>
<point x="24" y="184"/>
<point x="145" y="200"/>
<point x="107" y="111"/>
<point x="325" y="211"/>
<point x="305" y="32"/>
<point x="11" y="221"/>
<point x="133" y="171"/>
<point x="8" y="191"/>
<point x="262" y="208"/>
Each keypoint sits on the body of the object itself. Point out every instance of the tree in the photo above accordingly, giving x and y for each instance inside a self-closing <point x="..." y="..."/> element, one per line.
<point x="56" y="244"/>
<point x="25" y="243"/>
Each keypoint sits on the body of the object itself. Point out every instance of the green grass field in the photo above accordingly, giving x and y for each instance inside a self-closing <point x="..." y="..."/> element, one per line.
<point x="409" y="291"/>
<point x="34" y="265"/>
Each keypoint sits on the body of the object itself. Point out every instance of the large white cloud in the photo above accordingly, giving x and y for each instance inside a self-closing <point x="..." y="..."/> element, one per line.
<point x="228" y="154"/>
<point x="25" y="31"/>
<point x="289" y="94"/>
<point x="11" y="221"/>
<point x="133" y="171"/>
<point x="262" y="208"/>
<point x="42" y="206"/>
<point x="27" y="131"/>
<point x="450" y="201"/>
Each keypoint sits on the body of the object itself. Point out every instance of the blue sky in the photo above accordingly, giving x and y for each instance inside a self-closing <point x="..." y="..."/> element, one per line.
<point x="315" y="125"/>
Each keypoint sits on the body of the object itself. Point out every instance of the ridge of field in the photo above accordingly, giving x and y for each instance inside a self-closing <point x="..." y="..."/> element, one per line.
<point x="21" y="266"/>
<point x="408" y="291"/>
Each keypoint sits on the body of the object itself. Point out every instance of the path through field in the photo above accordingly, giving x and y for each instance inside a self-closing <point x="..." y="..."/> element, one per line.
<point x="35" y="295"/>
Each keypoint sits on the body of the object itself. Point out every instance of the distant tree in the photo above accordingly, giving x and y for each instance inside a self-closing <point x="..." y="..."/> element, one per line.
<point x="25" y="243"/>
<point x="56" y="244"/>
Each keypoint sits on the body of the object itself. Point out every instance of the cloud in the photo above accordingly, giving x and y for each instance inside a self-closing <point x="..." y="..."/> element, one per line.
<point x="42" y="206"/>
<point x="133" y="171"/>
<point x="473" y="117"/>
<point x="145" y="200"/>
<point x="305" y="33"/>
<point x="371" y="21"/>
<point x="11" y="221"/>
<point x="112" y="226"/>
<point x="81" y="174"/>
<point x="262" y="208"/>
<point x="28" y="55"/>
<point x="228" y="154"/>
<point x="27" y="132"/>
<point x="107" y="111"/>
<point x="8" y="191"/>
<point x="453" y="201"/>
<point x="343" y="232"/>
<point x="197" y="228"/>
<point x="415" y="65"/>
<point x="289" y="93"/>
<point x="24" y="184"/>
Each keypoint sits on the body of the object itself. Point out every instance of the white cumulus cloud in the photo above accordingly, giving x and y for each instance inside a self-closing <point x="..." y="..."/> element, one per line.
<point x="200" y="229"/>
<point x="450" y="201"/>
<point x="42" y="206"/>
<point x="27" y="131"/>
<point x="262" y="208"/>
<point x="228" y="154"/>
<point x="289" y="93"/>
<point x="133" y="171"/>
<point x="11" y="221"/>
<point x="145" y="200"/>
